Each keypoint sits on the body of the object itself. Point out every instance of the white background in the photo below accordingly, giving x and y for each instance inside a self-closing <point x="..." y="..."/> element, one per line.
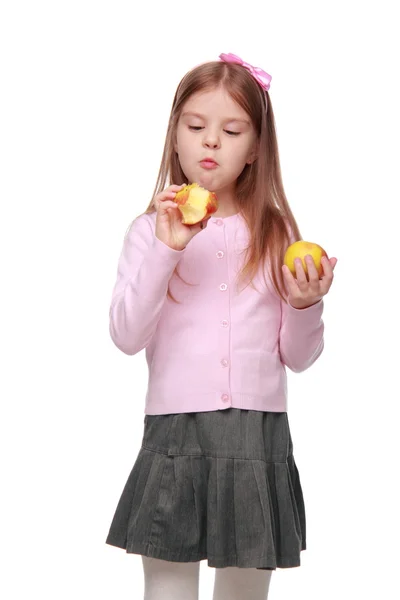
<point x="86" y="93"/>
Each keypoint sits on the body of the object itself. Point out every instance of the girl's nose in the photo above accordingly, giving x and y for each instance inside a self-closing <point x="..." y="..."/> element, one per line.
<point x="211" y="141"/>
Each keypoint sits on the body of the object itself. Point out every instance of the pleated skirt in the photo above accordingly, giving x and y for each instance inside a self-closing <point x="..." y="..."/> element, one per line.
<point x="221" y="486"/>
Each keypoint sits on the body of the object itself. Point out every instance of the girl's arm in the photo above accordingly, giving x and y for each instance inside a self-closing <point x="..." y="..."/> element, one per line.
<point x="301" y="335"/>
<point x="302" y="331"/>
<point x="144" y="270"/>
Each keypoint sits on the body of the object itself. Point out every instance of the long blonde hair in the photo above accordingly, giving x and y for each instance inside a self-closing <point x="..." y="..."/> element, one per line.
<point x="259" y="190"/>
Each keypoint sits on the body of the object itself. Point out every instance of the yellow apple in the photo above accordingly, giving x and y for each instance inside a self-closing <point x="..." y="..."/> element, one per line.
<point x="299" y="250"/>
<point x="195" y="203"/>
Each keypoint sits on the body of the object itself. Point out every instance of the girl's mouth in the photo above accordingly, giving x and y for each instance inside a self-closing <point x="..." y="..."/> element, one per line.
<point x="208" y="164"/>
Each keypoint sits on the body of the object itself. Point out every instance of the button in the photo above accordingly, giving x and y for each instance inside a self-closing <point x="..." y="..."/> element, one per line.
<point x="224" y="323"/>
<point x="223" y="287"/>
<point x="219" y="222"/>
<point x="225" y="397"/>
<point x="224" y="362"/>
<point x="220" y="254"/>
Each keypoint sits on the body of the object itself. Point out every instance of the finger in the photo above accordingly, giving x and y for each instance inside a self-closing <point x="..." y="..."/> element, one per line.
<point x="159" y="201"/>
<point x="175" y="188"/>
<point x="311" y="269"/>
<point x="164" y="206"/>
<point x="328" y="269"/>
<point x="300" y="274"/>
<point x="327" y="266"/>
<point x="167" y="195"/>
<point x="327" y="279"/>
<point x="292" y="285"/>
<point x="166" y="203"/>
<point x="313" y="275"/>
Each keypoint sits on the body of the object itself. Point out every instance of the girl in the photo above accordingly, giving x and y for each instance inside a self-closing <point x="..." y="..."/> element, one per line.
<point x="215" y="477"/>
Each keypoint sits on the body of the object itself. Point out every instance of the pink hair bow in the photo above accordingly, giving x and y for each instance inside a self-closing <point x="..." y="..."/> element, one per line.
<point x="259" y="75"/>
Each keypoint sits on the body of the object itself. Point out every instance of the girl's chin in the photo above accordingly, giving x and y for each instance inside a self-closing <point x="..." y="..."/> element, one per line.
<point x="209" y="181"/>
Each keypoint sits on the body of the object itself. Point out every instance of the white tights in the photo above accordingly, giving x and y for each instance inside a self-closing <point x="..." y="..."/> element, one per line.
<point x="166" y="580"/>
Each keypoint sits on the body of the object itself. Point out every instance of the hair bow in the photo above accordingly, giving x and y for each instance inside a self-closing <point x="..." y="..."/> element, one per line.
<point x="259" y="75"/>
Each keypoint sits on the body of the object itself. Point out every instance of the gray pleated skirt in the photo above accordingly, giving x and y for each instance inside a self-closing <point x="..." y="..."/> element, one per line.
<point x="221" y="486"/>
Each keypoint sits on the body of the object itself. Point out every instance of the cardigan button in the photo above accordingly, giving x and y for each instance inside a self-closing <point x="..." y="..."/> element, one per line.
<point x="225" y="397"/>
<point x="220" y="254"/>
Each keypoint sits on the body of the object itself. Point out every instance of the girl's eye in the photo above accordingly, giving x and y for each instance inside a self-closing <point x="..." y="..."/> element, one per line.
<point x="197" y="128"/>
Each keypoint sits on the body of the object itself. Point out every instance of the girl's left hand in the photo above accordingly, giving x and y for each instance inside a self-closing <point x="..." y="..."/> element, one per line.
<point x="303" y="293"/>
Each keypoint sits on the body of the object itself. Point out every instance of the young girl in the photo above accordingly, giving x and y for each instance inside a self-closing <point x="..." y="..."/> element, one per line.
<point x="221" y="318"/>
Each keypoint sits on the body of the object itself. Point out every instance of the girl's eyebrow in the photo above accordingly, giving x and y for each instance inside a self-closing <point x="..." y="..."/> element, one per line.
<point x="194" y="114"/>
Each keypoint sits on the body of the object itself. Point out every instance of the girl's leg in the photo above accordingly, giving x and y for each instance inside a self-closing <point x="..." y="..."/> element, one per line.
<point x="164" y="580"/>
<point x="234" y="583"/>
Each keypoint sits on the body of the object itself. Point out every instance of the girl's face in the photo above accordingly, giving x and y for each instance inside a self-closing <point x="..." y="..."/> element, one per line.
<point x="213" y="126"/>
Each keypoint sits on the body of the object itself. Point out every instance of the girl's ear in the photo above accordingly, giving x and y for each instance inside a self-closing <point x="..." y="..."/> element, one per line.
<point x="253" y="154"/>
<point x="252" y="158"/>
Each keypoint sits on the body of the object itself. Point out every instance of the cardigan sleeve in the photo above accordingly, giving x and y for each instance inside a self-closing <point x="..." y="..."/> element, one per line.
<point x="301" y="339"/>
<point x="144" y="269"/>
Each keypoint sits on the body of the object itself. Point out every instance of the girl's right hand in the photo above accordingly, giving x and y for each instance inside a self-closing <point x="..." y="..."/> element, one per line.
<point x="169" y="226"/>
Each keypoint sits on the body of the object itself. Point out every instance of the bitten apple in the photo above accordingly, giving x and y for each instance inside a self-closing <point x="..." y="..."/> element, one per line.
<point x="299" y="250"/>
<point x="195" y="203"/>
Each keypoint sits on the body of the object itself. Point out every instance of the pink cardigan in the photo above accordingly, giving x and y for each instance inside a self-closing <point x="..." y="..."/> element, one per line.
<point x="221" y="347"/>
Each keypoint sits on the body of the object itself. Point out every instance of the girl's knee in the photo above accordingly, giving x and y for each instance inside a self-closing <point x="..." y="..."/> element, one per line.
<point x="167" y="580"/>
<point x="234" y="583"/>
